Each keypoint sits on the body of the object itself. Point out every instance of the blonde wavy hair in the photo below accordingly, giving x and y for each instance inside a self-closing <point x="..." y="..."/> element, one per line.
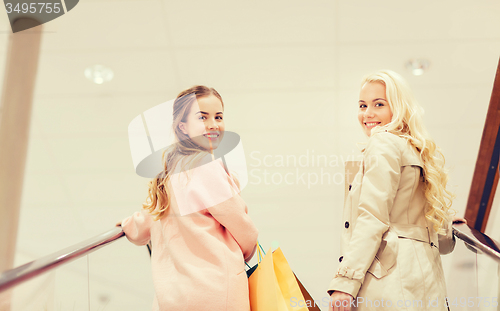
<point x="184" y="151"/>
<point x="407" y="123"/>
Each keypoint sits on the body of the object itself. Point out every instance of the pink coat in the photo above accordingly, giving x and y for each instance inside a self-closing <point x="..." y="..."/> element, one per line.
<point x="198" y="259"/>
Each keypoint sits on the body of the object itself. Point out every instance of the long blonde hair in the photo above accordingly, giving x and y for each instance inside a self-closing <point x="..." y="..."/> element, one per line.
<point x="407" y="123"/>
<point x="185" y="149"/>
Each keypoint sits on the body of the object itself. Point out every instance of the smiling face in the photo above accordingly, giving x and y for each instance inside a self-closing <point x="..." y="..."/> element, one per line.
<point x="374" y="108"/>
<point x="205" y="122"/>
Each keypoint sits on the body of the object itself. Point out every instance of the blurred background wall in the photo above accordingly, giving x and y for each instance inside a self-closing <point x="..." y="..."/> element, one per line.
<point x="289" y="74"/>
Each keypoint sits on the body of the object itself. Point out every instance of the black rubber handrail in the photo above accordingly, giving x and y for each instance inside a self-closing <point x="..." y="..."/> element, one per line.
<point x="478" y="241"/>
<point x="13" y="277"/>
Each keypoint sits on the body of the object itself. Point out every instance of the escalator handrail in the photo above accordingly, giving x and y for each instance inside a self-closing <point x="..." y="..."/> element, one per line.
<point x="13" y="277"/>
<point x="478" y="240"/>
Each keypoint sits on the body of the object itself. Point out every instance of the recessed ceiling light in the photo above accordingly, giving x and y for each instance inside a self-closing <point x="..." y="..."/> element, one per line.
<point x="417" y="66"/>
<point x="99" y="74"/>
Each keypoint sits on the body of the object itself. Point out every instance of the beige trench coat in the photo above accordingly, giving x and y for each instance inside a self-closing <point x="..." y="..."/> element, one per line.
<point x="390" y="251"/>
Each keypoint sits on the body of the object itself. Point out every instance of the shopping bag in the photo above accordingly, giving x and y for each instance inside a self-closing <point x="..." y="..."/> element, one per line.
<point x="310" y="302"/>
<point x="273" y="286"/>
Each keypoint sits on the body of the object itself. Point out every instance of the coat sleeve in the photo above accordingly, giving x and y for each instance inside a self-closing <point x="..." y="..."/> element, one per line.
<point x="137" y="227"/>
<point x="382" y="172"/>
<point x="446" y="241"/>
<point x="216" y="191"/>
<point x="233" y="215"/>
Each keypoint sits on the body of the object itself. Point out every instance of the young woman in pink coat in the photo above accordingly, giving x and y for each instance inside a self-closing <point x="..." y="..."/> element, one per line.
<point x="396" y="216"/>
<point x="197" y="222"/>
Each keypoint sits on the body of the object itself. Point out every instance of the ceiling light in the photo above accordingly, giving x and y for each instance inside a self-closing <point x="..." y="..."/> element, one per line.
<point x="417" y="66"/>
<point x="99" y="74"/>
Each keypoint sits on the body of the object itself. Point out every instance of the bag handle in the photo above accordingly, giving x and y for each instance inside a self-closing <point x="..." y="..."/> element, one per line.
<point x="260" y="251"/>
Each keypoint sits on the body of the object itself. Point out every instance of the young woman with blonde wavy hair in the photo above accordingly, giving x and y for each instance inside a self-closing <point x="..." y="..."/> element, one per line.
<point x="194" y="216"/>
<point x="397" y="217"/>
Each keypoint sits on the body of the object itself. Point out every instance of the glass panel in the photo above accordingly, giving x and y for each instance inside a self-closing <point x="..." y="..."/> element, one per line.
<point x="473" y="280"/>
<point x="71" y="286"/>
<point x="487" y="281"/>
<point x="462" y="280"/>
<point x="64" y="288"/>
<point x="120" y="278"/>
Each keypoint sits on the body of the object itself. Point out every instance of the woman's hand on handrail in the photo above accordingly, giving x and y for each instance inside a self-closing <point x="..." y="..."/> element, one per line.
<point x="459" y="220"/>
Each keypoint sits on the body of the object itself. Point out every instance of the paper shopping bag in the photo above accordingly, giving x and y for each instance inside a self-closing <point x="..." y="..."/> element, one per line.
<point x="310" y="302"/>
<point x="273" y="286"/>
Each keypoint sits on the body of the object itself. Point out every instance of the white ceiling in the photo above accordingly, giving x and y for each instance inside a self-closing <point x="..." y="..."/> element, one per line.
<point x="289" y="73"/>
